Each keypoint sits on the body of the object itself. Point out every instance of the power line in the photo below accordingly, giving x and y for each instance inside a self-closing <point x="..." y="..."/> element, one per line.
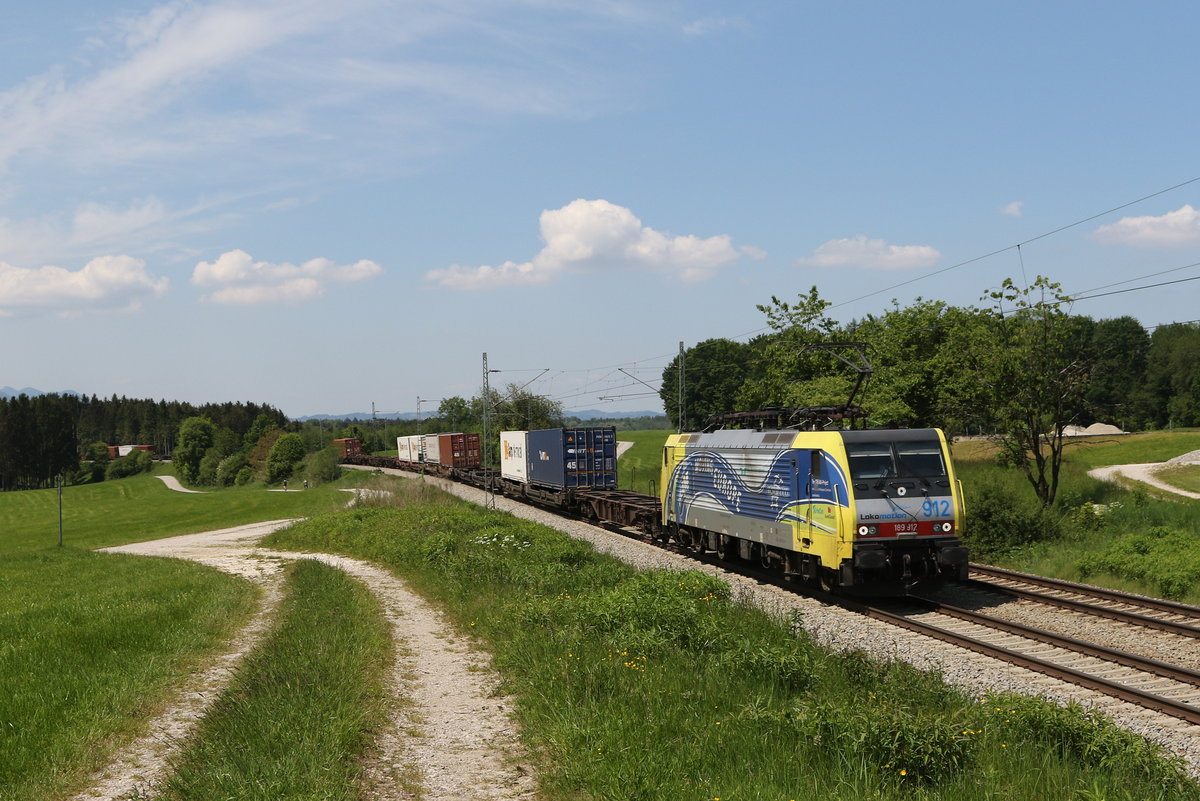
<point x="1018" y="245"/>
<point x="1137" y="288"/>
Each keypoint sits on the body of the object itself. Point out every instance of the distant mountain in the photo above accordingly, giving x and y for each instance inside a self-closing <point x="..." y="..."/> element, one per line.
<point x="609" y="414"/>
<point x="365" y="416"/>
<point x="9" y="392"/>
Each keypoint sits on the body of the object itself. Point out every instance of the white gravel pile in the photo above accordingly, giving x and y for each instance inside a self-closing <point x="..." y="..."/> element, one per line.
<point x="1187" y="458"/>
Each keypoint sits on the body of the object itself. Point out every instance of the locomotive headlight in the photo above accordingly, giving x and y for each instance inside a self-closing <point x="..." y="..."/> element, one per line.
<point x="867" y="531"/>
<point x="947" y="527"/>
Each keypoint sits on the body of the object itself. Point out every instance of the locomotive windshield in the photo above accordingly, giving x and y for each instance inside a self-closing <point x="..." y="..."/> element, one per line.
<point x="871" y="460"/>
<point x="915" y="458"/>
<point x="920" y="459"/>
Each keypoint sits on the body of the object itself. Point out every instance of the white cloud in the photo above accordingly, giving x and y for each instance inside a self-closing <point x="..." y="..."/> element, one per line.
<point x="596" y="235"/>
<point x="107" y="282"/>
<point x="92" y="227"/>
<point x="164" y="53"/>
<point x="1014" y="209"/>
<point x="708" y="25"/>
<point x="247" y="282"/>
<point x="1179" y="227"/>
<point x="94" y="222"/>
<point x="872" y="254"/>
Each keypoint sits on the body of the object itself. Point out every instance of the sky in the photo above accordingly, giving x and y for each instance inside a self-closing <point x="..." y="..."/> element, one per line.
<point x="334" y="207"/>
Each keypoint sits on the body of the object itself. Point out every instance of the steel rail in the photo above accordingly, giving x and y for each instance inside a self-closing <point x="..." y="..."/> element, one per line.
<point x="1166" y="706"/>
<point x="1145" y="664"/>
<point x="1158" y="604"/>
<point x="1172" y="626"/>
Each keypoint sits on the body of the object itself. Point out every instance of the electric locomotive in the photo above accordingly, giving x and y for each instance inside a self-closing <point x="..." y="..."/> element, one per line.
<point x="861" y="511"/>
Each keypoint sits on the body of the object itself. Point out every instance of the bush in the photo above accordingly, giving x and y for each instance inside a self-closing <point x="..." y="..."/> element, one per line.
<point x="207" y="474"/>
<point x="244" y="476"/>
<point x="997" y="523"/>
<point x="1164" y="558"/>
<point x="906" y="743"/>
<point x="324" y="465"/>
<point x="135" y="463"/>
<point x="287" y="451"/>
<point x="230" y="467"/>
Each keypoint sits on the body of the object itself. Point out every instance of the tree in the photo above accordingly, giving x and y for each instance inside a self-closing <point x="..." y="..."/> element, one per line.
<point x="1026" y="361"/>
<point x="195" y="438"/>
<point x="517" y="408"/>
<point x="1172" y="369"/>
<point x="456" y="414"/>
<point x="713" y="373"/>
<point x="1119" y="348"/>
<point x="285" y="454"/>
<point x="905" y="348"/>
<point x="782" y="372"/>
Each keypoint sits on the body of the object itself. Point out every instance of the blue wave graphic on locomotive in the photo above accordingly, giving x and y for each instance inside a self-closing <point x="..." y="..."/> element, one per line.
<point x="706" y="474"/>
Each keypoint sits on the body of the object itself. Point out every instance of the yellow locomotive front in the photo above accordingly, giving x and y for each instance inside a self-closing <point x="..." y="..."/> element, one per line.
<point x="873" y="512"/>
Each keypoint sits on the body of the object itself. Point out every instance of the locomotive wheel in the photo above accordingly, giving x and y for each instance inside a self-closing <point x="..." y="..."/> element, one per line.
<point x="728" y="548"/>
<point x="828" y="579"/>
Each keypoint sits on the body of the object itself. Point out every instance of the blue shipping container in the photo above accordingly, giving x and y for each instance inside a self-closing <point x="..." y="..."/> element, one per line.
<point x="568" y="458"/>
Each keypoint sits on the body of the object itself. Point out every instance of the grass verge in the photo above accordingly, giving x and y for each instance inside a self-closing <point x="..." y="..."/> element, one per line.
<point x="294" y="723"/>
<point x="657" y="685"/>
<point x="640" y="468"/>
<point x="89" y="643"/>
<point x="143" y="508"/>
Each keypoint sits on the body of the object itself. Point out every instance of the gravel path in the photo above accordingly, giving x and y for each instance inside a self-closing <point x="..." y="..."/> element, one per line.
<point x="1147" y="473"/>
<point x="450" y="737"/>
<point x="173" y="483"/>
<point x="843" y="630"/>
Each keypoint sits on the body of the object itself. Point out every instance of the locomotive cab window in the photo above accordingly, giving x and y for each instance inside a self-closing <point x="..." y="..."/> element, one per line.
<point x="923" y="459"/>
<point x="870" y="460"/>
<point x="814" y="466"/>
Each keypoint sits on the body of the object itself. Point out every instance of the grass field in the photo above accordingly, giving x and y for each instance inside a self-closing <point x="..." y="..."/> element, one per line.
<point x="143" y="508"/>
<point x="640" y="467"/>
<point x="90" y="643"/>
<point x="656" y="685"/>
<point x="1088" y="533"/>
<point x="1185" y="477"/>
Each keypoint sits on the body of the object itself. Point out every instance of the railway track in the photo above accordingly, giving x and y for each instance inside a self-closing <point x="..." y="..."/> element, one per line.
<point x="1152" y="684"/>
<point x="1168" y="689"/>
<point x="1153" y="613"/>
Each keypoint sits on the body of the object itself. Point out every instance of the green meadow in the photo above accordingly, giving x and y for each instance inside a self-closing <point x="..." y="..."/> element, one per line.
<point x="1116" y="534"/>
<point x="91" y="643"/>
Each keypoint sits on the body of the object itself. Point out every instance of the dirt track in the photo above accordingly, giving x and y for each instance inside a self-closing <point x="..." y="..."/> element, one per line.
<point x="455" y="737"/>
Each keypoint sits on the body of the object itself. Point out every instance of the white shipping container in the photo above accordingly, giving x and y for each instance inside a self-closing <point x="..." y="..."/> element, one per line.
<point x="432" y="448"/>
<point x="513" y="459"/>
<point x="409" y="448"/>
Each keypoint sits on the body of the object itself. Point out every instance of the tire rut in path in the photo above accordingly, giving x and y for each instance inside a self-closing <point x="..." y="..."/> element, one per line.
<point x="448" y="736"/>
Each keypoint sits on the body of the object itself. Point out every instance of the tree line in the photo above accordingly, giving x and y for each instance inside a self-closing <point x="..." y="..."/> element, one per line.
<point x="1020" y="366"/>
<point x="46" y="436"/>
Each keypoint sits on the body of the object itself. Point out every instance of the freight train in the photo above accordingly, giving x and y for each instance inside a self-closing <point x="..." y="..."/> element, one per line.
<point x="865" y="512"/>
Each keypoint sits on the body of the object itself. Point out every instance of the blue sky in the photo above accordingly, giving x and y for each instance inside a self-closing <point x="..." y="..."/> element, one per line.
<point x="327" y="205"/>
